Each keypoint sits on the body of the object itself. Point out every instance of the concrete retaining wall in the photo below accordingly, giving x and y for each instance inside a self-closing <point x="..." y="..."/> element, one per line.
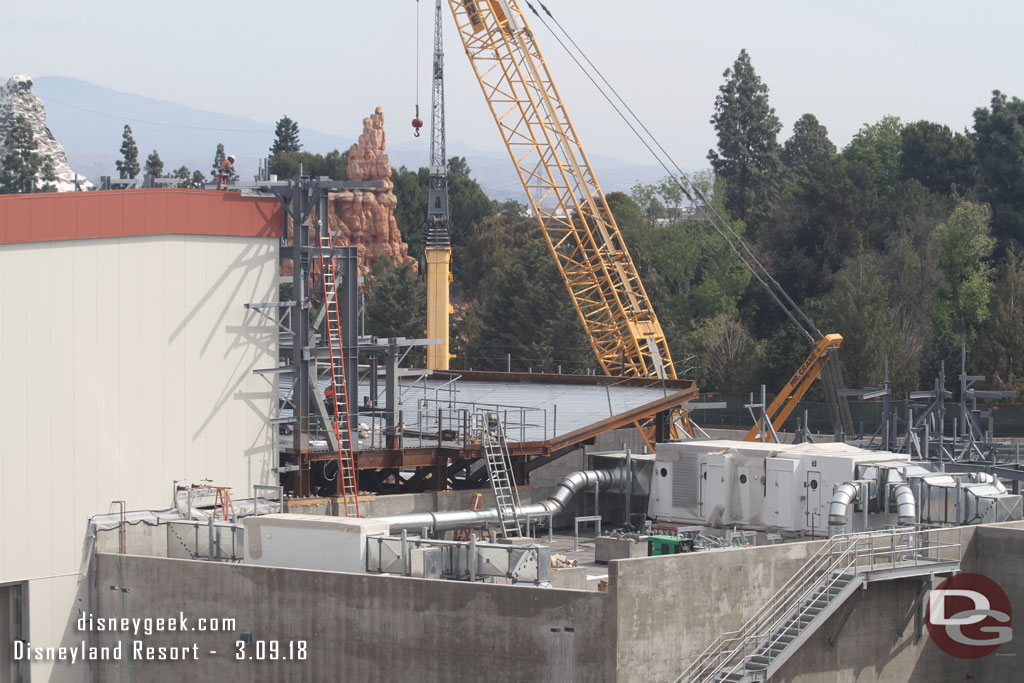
<point x="670" y="608"/>
<point x="658" y="614"/>
<point x="361" y="627"/>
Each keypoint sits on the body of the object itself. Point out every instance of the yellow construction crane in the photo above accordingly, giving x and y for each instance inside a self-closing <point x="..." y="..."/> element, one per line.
<point x="794" y="391"/>
<point x="562" y="190"/>
<point x="572" y="211"/>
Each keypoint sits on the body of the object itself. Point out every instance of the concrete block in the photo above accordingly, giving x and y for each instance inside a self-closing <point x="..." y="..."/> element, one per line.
<point x="517" y="541"/>
<point x="569" y="577"/>
<point x="611" y="548"/>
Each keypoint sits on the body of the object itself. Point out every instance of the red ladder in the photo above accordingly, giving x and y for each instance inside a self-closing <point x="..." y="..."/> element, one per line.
<point x="341" y="419"/>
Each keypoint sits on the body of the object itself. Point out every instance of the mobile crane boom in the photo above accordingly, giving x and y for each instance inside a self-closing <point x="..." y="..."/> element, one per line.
<point x="560" y="185"/>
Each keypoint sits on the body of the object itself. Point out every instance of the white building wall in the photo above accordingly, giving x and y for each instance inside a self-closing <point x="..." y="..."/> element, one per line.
<point x="125" y="364"/>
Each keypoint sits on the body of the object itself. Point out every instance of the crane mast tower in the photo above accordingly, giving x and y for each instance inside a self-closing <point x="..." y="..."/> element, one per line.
<point x="438" y="249"/>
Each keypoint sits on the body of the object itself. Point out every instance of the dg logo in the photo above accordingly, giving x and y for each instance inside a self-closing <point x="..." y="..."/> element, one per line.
<point x="969" y="616"/>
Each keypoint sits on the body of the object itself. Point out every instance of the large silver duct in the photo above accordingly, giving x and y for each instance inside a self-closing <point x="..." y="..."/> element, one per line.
<point x="841" y="499"/>
<point x="564" y="492"/>
<point x="906" y="506"/>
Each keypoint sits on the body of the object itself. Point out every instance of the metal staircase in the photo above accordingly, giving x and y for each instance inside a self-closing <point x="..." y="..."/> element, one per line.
<point x="337" y="394"/>
<point x="841" y="566"/>
<point x="499" y="471"/>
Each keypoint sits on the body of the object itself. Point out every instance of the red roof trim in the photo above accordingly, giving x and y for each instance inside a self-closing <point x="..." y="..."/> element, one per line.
<point x="44" y="217"/>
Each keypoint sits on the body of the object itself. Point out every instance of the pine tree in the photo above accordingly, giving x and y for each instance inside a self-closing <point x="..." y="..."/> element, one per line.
<point x="218" y="159"/>
<point x="154" y="166"/>
<point x="287" y="137"/>
<point x="808" y="145"/>
<point x="748" y="148"/>
<point x="49" y="177"/>
<point x="128" y="166"/>
<point x="20" y="162"/>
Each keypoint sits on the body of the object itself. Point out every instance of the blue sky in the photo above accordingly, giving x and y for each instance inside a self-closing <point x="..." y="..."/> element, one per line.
<point x="327" y="64"/>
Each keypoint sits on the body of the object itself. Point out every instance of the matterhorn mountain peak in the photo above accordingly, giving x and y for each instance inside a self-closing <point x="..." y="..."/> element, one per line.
<point x="17" y="99"/>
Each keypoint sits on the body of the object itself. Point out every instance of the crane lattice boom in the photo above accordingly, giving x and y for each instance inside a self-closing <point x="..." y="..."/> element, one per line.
<point x="562" y="190"/>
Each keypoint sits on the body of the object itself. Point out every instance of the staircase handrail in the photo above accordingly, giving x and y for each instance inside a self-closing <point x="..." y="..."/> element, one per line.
<point x="824" y="563"/>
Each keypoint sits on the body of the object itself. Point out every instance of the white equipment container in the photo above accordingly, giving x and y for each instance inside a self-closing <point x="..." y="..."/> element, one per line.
<point x="764" y="486"/>
<point x="309" y="541"/>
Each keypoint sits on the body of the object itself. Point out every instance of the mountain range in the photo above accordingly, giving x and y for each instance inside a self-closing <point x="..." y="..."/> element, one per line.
<point x="88" y="120"/>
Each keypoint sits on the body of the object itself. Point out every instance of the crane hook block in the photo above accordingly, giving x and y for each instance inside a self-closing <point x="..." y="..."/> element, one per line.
<point x="417" y="123"/>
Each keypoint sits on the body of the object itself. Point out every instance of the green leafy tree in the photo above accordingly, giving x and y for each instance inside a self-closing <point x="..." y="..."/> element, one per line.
<point x="688" y="270"/>
<point x="468" y="204"/>
<point x="728" y="357"/>
<point x="491" y="244"/>
<point x="859" y="306"/>
<point x="49" y="177"/>
<point x="410" y="188"/>
<point x="154" y="165"/>
<point x="748" y="149"/>
<point x="874" y="153"/>
<point x="286" y="137"/>
<point x="999" y="147"/>
<point x="1000" y="347"/>
<point x="184" y="177"/>
<point x="334" y="164"/>
<point x="938" y="158"/>
<point x="396" y="301"/>
<point x="529" y="315"/>
<point x="963" y="245"/>
<point x="198" y="179"/>
<point x="128" y="164"/>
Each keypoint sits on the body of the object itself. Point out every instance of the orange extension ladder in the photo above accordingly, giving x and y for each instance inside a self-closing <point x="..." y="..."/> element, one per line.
<point x="223" y="503"/>
<point x="475" y="503"/>
<point x="341" y="420"/>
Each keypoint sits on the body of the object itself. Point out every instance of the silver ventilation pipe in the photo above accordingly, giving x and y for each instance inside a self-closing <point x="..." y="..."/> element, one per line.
<point x="906" y="506"/>
<point x="841" y="499"/>
<point x="564" y="492"/>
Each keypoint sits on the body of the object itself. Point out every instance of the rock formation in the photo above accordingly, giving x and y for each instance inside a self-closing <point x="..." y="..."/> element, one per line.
<point x="367" y="217"/>
<point x="17" y="99"/>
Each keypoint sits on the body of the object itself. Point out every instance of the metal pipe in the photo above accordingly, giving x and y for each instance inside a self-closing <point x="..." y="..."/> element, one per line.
<point x="906" y="506"/>
<point x="560" y="497"/>
<point x="841" y="499"/>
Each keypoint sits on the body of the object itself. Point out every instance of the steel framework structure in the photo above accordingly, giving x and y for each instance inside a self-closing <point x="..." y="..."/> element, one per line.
<point x="573" y="213"/>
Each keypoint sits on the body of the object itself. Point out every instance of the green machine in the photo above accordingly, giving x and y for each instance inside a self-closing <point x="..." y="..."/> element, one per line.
<point x="668" y="545"/>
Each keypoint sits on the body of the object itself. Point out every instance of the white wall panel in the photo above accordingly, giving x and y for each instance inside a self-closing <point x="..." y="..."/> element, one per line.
<point x="15" y="437"/>
<point x="126" y="363"/>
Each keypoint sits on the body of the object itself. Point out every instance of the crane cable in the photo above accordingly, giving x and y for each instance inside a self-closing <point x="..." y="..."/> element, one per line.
<point x="416" y="79"/>
<point x="760" y="273"/>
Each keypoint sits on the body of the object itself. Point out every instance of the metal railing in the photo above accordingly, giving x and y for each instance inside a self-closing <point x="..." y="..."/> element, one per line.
<point x="842" y="557"/>
<point x="437" y="422"/>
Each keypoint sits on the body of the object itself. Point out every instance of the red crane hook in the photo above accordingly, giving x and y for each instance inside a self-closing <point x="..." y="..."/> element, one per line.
<point x="417" y="122"/>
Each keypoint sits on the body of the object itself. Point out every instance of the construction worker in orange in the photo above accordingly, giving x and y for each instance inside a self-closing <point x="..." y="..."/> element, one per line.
<point x="329" y="395"/>
<point x="227" y="171"/>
